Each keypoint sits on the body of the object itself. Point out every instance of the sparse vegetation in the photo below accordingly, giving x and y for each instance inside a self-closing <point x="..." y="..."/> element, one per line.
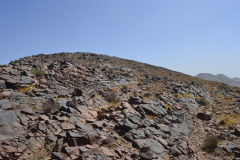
<point x="45" y="152"/>
<point x="220" y="96"/>
<point x="204" y="102"/>
<point x="210" y="144"/>
<point x="49" y="106"/>
<point x="38" y="72"/>
<point x="59" y="98"/>
<point x="112" y="97"/>
<point x="229" y="100"/>
<point x="150" y="117"/>
<point x="124" y="89"/>
<point x="26" y="89"/>
<point x="184" y="95"/>
<point x="230" y="119"/>
<point x="77" y="92"/>
<point x="167" y="106"/>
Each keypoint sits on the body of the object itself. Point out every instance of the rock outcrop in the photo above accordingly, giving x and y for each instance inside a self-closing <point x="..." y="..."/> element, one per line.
<point x="85" y="106"/>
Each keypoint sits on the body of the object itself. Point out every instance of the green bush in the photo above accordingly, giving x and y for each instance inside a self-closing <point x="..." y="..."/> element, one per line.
<point x="38" y="72"/>
<point x="204" y="102"/>
<point x="210" y="144"/>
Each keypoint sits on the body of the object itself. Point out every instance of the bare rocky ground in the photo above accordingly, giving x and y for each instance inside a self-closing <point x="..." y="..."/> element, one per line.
<point x="87" y="106"/>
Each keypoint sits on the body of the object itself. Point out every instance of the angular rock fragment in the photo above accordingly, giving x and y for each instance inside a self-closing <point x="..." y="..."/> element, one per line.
<point x="205" y="116"/>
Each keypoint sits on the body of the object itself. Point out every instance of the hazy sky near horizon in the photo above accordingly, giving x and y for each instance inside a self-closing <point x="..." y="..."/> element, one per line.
<point x="187" y="36"/>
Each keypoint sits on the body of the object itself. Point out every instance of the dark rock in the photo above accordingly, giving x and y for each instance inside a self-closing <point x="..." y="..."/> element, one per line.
<point x="154" y="131"/>
<point x="77" y="139"/>
<point x="60" y="90"/>
<point x="138" y="134"/>
<point x="51" y="138"/>
<point x="163" y="142"/>
<point x="134" y="118"/>
<point x="125" y="125"/>
<point x="128" y="136"/>
<point x="178" y="129"/>
<point x="23" y="119"/>
<point x="182" y="157"/>
<point x="44" y="117"/>
<point x="189" y="103"/>
<point x="58" y="156"/>
<point x="204" y="116"/>
<point x="177" y="118"/>
<point x="164" y="128"/>
<point x="72" y="151"/>
<point x="27" y="111"/>
<point x="230" y="148"/>
<point x="84" y="127"/>
<point x="107" y="151"/>
<point x="59" y="118"/>
<point x="2" y="84"/>
<point x="59" y="145"/>
<point x="93" y="154"/>
<point x="146" y="153"/>
<point x="94" y="138"/>
<point x="154" y="109"/>
<point x="135" y="101"/>
<point x="67" y="126"/>
<point x="14" y="82"/>
<point x="183" y="148"/>
<point x="154" y="145"/>
<point x="98" y="124"/>
<point x="237" y="132"/>
<point x="77" y="92"/>
<point x="72" y="134"/>
<point x="175" y="152"/>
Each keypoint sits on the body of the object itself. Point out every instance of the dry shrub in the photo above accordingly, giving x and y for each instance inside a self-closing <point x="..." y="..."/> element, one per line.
<point x="50" y="106"/>
<point x="38" y="72"/>
<point x="204" y="102"/>
<point x="112" y="97"/>
<point x="210" y="144"/>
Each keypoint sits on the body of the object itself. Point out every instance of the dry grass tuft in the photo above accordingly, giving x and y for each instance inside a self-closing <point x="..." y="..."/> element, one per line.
<point x="26" y="89"/>
<point x="151" y="117"/>
<point x="230" y="119"/>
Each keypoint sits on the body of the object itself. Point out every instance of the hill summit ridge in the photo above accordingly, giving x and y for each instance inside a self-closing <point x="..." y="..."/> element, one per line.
<point x="80" y="106"/>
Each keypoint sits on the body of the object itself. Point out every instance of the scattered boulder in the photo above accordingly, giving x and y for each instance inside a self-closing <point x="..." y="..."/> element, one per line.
<point x="146" y="153"/>
<point x="135" y="101"/>
<point x="88" y="106"/>
<point x="237" y="132"/>
<point x="204" y="116"/>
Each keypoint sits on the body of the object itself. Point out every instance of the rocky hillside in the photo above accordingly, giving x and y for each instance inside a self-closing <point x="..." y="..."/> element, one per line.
<point x="220" y="78"/>
<point x="85" y="106"/>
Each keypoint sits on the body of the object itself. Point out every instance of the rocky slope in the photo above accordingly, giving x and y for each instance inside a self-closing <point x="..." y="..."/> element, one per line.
<point x="220" y="78"/>
<point x="87" y="106"/>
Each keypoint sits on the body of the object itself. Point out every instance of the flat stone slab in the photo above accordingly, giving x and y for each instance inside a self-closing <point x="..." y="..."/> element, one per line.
<point x="5" y="104"/>
<point x="9" y="124"/>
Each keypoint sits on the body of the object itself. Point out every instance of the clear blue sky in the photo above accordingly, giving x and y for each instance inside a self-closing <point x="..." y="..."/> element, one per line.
<point x="189" y="36"/>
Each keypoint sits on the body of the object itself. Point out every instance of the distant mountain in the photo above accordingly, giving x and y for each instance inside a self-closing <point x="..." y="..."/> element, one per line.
<point x="220" y="78"/>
